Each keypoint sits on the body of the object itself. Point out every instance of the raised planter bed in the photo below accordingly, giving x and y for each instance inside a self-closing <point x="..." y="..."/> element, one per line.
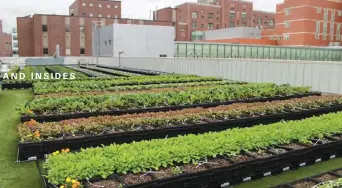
<point x="316" y="179"/>
<point x="102" y="70"/>
<point x="37" y="150"/>
<point x="132" y="70"/>
<point x="237" y="169"/>
<point x="49" y="118"/>
<point x="16" y="86"/>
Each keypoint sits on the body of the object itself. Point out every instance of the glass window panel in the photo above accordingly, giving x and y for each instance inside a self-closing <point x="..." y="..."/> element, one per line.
<point x="277" y="53"/>
<point x="220" y="51"/>
<point x="254" y="52"/>
<point x="266" y="52"/>
<point x="260" y="52"/>
<point x="248" y="53"/>
<point x="198" y="50"/>
<point x="272" y="52"/>
<point x="293" y="54"/>
<point x="235" y="51"/>
<point x="228" y="51"/>
<point x="303" y="54"/>
<point x="206" y="50"/>
<point x="182" y="50"/>
<point x="191" y="50"/>
<point x="288" y="53"/>
<point x="213" y="53"/>
<point x="283" y="53"/>
<point x="242" y="51"/>
<point x="298" y="53"/>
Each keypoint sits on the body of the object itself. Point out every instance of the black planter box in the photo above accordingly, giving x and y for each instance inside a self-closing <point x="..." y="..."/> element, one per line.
<point x="49" y="118"/>
<point x="17" y="86"/>
<point x="38" y="150"/>
<point x="135" y="71"/>
<point x="103" y="71"/>
<point x="245" y="171"/>
<point x="290" y="184"/>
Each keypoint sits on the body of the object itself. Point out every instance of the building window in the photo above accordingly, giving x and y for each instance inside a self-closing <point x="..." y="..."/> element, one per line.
<point x="338" y="32"/>
<point x="318" y="30"/>
<point x="326" y="13"/>
<point x="339" y="13"/>
<point x="82" y="29"/>
<point x="232" y="15"/>
<point x="259" y="21"/>
<point x="194" y="15"/>
<point x="286" y="37"/>
<point x="232" y="24"/>
<point x="44" y="28"/>
<point x="194" y="24"/>
<point x="67" y="28"/>
<point x="202" y="10"/>
<point x="287" y="12"/>
<point x="100" y="15"/>
<point x="105" y="43"/>
<point x="91" y="4"/>
<point x="287" y="24"/>
<point x="116" y="6"/>
<point x="45" y="51"/>
<point x="202" y="16"/>
<point x="108" y="16"/>
<point x="82" y="52"/>
<point x="83" y="13"/>
<point x="100" y="5"/>
<point x="210" y="16"/>
<point x="84" y="4"/>
<point x="271" y="23"/>
<point x="109" y="42"/>
<point x="67" y="51"/>
<point x="210" y="25"/>
<point x="108" y="6"/>
<point x="115" y="16"/>
<point x="243" y="15"/>
<point x="91" y="15"/>
<point x="318" y="10"/>
<point x="325" y="30"/>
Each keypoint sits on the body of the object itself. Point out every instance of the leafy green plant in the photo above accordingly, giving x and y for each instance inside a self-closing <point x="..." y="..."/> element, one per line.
<point x="330" y="184"/>
<point x="176" y="170"/>
<point x="153" y="154"/>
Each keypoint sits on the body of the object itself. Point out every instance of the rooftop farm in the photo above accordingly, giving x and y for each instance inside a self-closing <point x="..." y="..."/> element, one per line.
<point x="118" y="127"/>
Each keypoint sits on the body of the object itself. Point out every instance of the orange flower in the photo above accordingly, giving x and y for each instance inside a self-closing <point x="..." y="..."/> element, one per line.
<point x="36" y="134"/>
<point x="74" y="185"/>
<point x="67" y="150"/>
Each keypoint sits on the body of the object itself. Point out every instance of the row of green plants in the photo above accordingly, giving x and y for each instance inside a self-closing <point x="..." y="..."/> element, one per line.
<point x="103" y="84"/>
<point x="62" y="69"/>
<point x="88" y="72"/>
<point x="186" y="117"/>
<point x="330" y="184"/>
<point x="154" y="154"/>
<point x="136" y="88"/>
<point x="27" y="71"/>
<point x="109" y="71"/>
<point x="75" y="104"/>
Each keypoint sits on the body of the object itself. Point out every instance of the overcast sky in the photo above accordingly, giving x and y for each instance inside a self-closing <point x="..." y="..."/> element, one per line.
<point x="10" y="9"/>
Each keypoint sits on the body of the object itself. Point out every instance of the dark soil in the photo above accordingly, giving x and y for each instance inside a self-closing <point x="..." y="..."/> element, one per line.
<point x="260" y="154"/>
<point x="217" y="163"/>
<point x="105" y="184"/>
<point x="278" y="150"/>
<point x="165" y="173"/>
<point x="339" y="172"/>
<point x="295" y="146"/>
<point x="136" y="178"/>
<point x="326" y="177"/>
<point x="241" y="158"/>
<point x="305" y="184"/>
<point x="192" y="168"/>
<point x="338" y="137"/>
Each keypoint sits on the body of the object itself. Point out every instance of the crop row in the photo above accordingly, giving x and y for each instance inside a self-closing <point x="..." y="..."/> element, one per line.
<point x="61" y="69"/>
<point x="89" y="72"/>
<point x="186" y="117"/>
<point x="330" y="184"/>
<point x="111" y="71"/>
<point x="141" y="156"/>
<point x="143" y="100"/>
<point x="88" y="85"/>
<point x="138" y="88"/>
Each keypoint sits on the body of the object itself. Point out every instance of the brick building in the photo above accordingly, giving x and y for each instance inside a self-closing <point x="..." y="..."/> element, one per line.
<point x="96" y="8"/>
<point x="192" y="18"/>
<point x="5" y="43"/>
<point x="307" y="23"/>
<point x="39" y="34"/>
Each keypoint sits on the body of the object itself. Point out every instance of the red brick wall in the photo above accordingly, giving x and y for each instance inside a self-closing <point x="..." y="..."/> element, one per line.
<point x="7" y="40"/>
<point x="25" y="36"/>
<point x="238" y="7"/>
<point x="164" y="14"/>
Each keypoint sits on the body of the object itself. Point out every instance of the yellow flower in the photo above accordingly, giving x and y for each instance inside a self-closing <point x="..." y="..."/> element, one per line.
<point x="67" y="150"/>
<point x="63" y="150"/>
<point x="62" y="186"/>
<point x="73" y="181"/>
<point x="68" y="180"/>
<point x="74" y="186"/>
